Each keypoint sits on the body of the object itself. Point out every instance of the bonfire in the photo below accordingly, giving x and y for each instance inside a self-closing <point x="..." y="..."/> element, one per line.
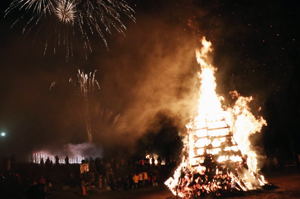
<point x="217" y="156"/>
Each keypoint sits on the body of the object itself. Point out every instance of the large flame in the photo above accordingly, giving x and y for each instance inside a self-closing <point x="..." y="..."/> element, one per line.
<point x="217" y="154"/>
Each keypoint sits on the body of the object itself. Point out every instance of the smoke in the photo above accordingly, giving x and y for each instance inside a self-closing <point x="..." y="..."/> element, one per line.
<point x="149" y="71"/>
<point x="157" y="75"/>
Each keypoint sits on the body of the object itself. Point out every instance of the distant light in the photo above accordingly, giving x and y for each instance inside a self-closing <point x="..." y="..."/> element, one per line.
<point x="2" y="134"/>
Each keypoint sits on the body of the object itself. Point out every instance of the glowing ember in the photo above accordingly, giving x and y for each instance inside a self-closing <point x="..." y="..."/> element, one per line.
<point x="217" y="154"/>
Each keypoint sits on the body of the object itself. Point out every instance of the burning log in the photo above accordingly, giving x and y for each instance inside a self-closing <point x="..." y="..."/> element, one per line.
<point x="217" y="154"/>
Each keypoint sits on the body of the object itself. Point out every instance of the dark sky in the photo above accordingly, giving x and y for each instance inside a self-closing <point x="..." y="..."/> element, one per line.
<point x="151" y="70"/>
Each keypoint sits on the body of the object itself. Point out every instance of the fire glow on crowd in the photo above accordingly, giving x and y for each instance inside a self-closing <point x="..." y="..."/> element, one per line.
<point x="217" y="154"/>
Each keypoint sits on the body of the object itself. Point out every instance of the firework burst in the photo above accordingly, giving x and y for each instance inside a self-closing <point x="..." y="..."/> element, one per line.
<point x="72" y="21"/>
<point x="65" y="11"/>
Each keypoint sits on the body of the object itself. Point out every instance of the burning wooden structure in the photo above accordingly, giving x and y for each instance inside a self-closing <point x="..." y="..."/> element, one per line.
<point x="217" y="153"/>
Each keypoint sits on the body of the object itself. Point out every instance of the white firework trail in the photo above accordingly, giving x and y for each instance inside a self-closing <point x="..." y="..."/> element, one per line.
<point x="76" y="20"/>
<point x="87" y="81"/>
<point x="88" y="84"/>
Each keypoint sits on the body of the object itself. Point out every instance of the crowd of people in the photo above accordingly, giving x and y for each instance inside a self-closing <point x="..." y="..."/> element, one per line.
<point x="93" y="175"/>
<point x="122" y="175"/>
<point x="39" y="180"/>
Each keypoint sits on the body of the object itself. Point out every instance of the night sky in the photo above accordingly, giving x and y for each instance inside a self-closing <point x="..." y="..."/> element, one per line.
<point x="151" y="70"/>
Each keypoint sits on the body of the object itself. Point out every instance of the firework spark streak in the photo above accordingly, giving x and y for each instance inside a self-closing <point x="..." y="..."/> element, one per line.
<point x="88" y="83"/>
<point x="73" y="20"/>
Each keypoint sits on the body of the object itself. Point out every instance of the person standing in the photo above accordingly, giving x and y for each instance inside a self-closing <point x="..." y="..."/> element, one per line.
<point x="135" y="180"/>
<point x="83" y="188"/>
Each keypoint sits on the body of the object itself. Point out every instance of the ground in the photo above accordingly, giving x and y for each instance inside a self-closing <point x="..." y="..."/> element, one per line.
<point x="288" y="188"/>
